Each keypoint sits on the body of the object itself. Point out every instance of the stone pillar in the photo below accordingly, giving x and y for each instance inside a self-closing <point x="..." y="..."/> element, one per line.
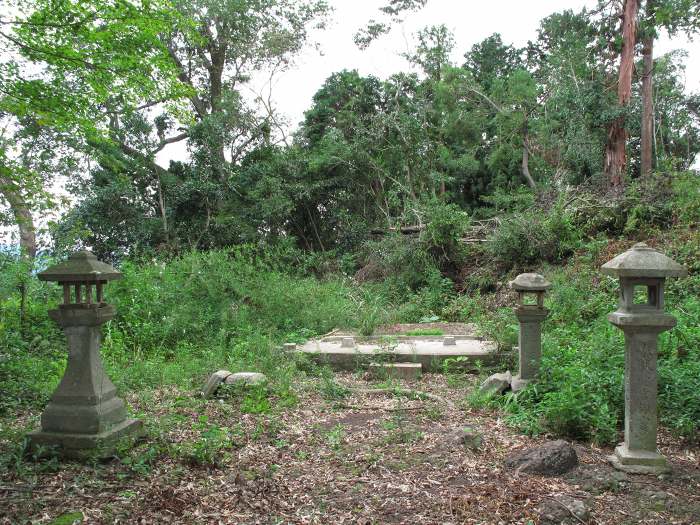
<point x="642" y="318"/>
<point x="640" y="389"/>
<point x="84" y="417"/>
<point x="638" y="453"/>
<point x="530" y="316"/>
<point x="529" y="345"/>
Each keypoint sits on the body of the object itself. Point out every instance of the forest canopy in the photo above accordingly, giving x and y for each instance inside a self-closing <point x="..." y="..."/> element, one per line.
<point x="92" y="92"/>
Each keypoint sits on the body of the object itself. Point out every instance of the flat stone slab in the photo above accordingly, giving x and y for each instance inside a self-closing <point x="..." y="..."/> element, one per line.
<point x="428" y="351"/>
<point x="408" y="371"/>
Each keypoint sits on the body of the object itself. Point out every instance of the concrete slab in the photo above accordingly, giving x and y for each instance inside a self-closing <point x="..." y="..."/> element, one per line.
<point x="429" y="351"/>
<point x="409" y="371"/>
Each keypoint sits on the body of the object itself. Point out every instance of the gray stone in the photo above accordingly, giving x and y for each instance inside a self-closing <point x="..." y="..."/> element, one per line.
<point x="289" y="347"/>
<point x="347" y="342"/>
<point x="428" y="351"/>
<point x="643" y="261"/>
<point x="409" y="371"/>
<point x="551" y="459"/>
<point x="449" y="340"/>
<point x="214" y="381"/>
<point x="84" y="417"/>
<point x="466" y="437"/>
<point x="641" y="322"/>
<point x="563" y="509"/>
<point x="246" y="378"/>
<point x="530" y="341"/>
<point x="496" y="383"/>
<point x="530" y="282"/>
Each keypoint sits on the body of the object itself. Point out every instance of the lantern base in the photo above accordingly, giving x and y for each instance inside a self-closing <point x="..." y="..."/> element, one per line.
<point x="83" y="446"/>
<point x="638" y="461"/>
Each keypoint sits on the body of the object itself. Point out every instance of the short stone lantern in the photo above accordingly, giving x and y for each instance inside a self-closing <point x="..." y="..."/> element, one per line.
<point x="84" y="417"/>
<point x="530" y="312"/>
<point x="640" y="315"/>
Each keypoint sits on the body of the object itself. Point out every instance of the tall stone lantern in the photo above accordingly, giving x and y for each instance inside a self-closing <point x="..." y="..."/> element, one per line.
<point x="530" y="312"/>
<point x="84" y="417"/>
<point x="640" y="315"/>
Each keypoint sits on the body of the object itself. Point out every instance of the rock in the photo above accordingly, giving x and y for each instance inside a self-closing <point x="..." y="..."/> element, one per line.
<point x="551" y="459"/>
<point x="466" y="437"/>
<point x="496" y="384"/>
<point x="563" y="509"/>
<point x="214" y="381"/>
<point x="246" y="378"/>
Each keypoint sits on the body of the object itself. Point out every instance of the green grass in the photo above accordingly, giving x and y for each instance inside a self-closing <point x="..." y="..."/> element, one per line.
<point x="425" y="331"/>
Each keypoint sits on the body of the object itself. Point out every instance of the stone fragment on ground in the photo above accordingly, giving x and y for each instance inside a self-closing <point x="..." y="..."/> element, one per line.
<point x="239" y="378"/>
<point x="563" y="509"/>
<point x="551" y="459"/>
<point x="497" y="383"/>
<point x="466" y="437"/>
<point x="214" y="381"/>
<point x="246" y="378"/>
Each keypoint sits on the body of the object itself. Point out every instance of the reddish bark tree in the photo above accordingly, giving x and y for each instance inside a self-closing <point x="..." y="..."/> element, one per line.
<point x="647" y="107"/>
<point x="615" y="162"/>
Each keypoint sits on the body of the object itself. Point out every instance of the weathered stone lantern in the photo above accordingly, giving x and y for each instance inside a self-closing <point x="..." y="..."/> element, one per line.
<point x="640" y="315"/>
<point x="530" y="312"/>
<point x="84" y="417"/>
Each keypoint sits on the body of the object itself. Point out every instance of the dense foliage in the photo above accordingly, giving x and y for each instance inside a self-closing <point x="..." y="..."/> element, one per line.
<point x="410" y="198"/>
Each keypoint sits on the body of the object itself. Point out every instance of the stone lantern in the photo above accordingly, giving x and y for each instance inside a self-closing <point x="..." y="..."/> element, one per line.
<point x="530" y="312"/>
<point x="84" y="417"/>
<point x="641" y="316"/>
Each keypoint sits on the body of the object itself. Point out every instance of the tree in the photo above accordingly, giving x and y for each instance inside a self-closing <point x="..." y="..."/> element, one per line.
<point x="70" y="66"/>
<point x="674" y="16"/>
<point x="213" y="56"/>
<point x="615" y="161"/>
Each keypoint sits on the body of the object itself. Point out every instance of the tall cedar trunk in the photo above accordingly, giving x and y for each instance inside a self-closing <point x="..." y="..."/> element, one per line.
<point x="647" y="108"/>
<point x="615" y="161"/>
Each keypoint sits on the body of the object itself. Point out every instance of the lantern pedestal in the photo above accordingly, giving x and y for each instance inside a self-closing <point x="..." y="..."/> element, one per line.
<point x="84" y="418"/>
<point x="529" y="344"/>
<point x="638" y="454"/>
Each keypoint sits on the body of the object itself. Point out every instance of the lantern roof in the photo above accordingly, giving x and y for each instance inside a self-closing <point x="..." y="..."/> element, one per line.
<point x="643" y="261"/>
<point x="81" y="266"/>
<point x="530" y="282"/>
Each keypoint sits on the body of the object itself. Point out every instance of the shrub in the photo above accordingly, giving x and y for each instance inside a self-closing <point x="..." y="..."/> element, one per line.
<point x="524" y="239"/>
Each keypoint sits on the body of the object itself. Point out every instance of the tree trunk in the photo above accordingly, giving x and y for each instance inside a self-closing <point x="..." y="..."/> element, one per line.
<point x="648" y="100"/>
<point x="23" y="216"/>
<point x="615" y="162"/>
<point x="526" y="163"/>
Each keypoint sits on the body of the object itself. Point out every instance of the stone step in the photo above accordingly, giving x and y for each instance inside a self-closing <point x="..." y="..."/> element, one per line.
<point x="350" y="353"/>
<point x="410" y="371"/>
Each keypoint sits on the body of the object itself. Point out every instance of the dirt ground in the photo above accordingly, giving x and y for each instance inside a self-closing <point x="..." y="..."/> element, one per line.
<point x="360" y="459"/>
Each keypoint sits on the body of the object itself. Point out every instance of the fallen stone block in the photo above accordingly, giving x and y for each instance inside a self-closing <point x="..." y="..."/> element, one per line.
<point x="551" y="459"/>
<point x="214" y="381"/>
<point x="410" y="371"/>
<point x="246" y="378"/>
<point x="496" y="384"/>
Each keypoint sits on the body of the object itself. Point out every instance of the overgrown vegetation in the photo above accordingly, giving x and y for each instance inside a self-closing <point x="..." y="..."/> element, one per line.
<point x="413" y="198"/>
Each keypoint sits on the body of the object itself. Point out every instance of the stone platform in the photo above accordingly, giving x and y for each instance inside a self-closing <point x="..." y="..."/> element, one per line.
<point x="350" y="352"/>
